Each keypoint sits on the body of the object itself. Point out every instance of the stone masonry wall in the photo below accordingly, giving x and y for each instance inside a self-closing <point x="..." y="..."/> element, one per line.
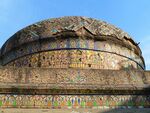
<point x="13" y="81"/>
<point x="91" y="76"/>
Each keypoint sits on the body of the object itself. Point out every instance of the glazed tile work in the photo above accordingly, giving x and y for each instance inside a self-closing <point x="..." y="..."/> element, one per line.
<point x="76" y="59"/>
<point x="72" y="42"/>
<point x="74" y="101"/>
<point x="33" y="88"/>
<point x="72" y="62"/>
<point x="50" y="27"/>
<point x="74" y="53"/>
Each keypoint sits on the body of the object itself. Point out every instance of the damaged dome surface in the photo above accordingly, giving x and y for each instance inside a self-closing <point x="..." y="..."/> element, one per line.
<point x="72" y="42"/>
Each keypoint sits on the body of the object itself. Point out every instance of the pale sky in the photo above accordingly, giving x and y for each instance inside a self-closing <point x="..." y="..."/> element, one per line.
<point x="133" y="16"/>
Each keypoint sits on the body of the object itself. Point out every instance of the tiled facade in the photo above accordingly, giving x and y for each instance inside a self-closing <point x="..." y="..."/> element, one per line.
<point x="74" y="101"/>
<point x="53" y="44"/>
<point x="74" y="53"/>
<point x="72" y="62"/>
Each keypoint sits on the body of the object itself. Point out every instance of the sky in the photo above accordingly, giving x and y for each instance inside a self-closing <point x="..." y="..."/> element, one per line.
<point x="132" y="16"/>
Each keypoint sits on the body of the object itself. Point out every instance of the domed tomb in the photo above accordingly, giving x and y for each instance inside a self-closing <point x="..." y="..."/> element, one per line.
<point x="72" y="42"/>
<point x="72" y="62"/>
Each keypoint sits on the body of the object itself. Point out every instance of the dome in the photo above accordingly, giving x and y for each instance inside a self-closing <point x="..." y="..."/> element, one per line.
<point x="72" y="42"/>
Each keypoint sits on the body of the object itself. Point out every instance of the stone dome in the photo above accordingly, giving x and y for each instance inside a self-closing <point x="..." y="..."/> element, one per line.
<point x="72" y="42"/>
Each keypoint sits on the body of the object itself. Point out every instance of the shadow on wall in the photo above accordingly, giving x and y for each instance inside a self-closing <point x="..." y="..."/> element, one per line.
<point x="134" y="103"/>
<point x="124" y="64"/>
